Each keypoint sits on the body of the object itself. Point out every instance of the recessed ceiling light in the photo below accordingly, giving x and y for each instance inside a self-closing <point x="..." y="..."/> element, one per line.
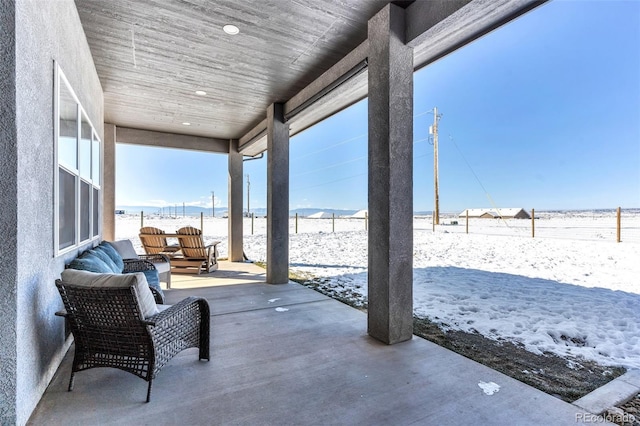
<point x="231" y="29"/>
<point x="201" y="92"/>
<point x="186" y="123"/>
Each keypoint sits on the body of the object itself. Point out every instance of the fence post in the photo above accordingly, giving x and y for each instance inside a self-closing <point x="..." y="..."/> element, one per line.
<point x="467" y="223"/>
<point x="201" y="223"/>
<point x="533" y="223"/>
<point x="366" y="221"/>
<point x="296" y="223"/>
<point x="333" y="222"/>
<point x="618" y="226"/>
<point x="141" y="218"/>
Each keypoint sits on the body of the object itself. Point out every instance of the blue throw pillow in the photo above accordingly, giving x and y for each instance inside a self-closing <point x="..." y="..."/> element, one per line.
<point x="113" y="254"/>
<point x="90" y="263"/>
<point x="100" y="254"/>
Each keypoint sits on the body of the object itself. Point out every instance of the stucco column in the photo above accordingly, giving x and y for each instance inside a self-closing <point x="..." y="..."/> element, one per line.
<point x="235" y="203"/>
<point x="9" y="343"/>
<point x="109" y="183"/>
<point x="277" y="196"/>
<point x="390" y="313"/>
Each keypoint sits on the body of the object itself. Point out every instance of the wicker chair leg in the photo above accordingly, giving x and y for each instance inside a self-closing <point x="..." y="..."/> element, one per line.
<point x="149" y="391"/>
<point x="204" y="329"/>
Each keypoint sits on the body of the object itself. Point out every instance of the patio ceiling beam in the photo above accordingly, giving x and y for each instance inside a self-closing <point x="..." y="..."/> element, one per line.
<point x="435" y="29"/>
<point x="353" y="64"/>
<point x="255" y="141"/>
<point x="171" y="140"/>
<point x="323" y="94"/>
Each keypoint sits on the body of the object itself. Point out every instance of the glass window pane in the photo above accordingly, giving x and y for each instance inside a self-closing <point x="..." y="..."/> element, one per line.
<point x="84" y="159"/>
<point x="96" y="212"/>
<point x="85" y="212"/>
<point x="95" y="160"/>
<point x="68" y="128"/>
<point x="66" y="209"/>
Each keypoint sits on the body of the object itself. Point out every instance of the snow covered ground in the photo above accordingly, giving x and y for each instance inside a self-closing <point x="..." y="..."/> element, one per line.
<point x="570" y="296"/>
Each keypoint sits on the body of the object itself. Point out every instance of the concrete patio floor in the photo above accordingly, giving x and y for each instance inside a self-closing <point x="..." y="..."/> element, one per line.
<point x="310" y="362"/>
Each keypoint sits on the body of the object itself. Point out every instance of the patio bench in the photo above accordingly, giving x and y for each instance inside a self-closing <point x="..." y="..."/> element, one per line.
<point x="105" y="259"/>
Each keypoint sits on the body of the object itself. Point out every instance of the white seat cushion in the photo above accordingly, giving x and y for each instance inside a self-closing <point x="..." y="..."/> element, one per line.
<point x="162" y="267"/>
<point x="144" y="296"/>
<point x="124" y="248"/>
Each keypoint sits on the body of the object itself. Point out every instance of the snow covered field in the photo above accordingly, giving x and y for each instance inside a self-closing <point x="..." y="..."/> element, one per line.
<point x="570" y="296"/>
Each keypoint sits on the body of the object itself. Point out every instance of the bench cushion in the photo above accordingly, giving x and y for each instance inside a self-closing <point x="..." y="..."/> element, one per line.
<point x="91" y="263"/>
<point x="106" y="259"/>
<point x="112" y="253"/>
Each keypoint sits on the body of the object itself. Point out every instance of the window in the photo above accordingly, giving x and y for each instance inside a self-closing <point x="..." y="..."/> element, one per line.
<point x="78" y="160"/>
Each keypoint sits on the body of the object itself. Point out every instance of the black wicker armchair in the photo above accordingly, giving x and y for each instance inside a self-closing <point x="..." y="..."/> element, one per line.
<point x="110" y="330"/>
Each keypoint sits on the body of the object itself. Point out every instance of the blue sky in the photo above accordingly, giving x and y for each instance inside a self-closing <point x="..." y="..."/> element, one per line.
<point x="542" y="113"/>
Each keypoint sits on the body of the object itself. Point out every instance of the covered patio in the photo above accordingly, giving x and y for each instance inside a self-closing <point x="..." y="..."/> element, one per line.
<point x="93" y="74"/>
<point x="308" y="362"/>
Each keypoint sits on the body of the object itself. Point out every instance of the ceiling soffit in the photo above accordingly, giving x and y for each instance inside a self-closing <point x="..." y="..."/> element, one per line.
<point x="152" y="55"/>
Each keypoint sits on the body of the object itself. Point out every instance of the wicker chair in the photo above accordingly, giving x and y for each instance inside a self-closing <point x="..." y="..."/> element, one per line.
<point x="110" y="330"/>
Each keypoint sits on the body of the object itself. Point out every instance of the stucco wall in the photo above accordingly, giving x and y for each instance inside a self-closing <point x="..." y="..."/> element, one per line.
<point x="8" y="213"/>
<point x="45" y="31"/>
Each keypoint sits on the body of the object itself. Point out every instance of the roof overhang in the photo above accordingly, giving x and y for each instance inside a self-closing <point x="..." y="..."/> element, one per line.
<point x="434" y="29"/>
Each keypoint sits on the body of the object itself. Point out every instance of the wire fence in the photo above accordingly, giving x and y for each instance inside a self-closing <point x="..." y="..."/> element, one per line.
<point x="602" y="225"/>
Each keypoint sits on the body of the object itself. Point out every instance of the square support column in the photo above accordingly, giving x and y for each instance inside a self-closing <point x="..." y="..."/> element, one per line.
<point x="235" y="203"/>
<point x="277" y="196"/>
<point x="390" y="278"/>
<point x="109" y="183"/>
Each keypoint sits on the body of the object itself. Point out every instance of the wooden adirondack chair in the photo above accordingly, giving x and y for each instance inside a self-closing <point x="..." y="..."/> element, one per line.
<point x="196" y="257"/>
<point x="154" y="242"/>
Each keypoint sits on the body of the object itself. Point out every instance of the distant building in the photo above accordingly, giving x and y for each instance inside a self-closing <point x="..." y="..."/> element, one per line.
<point x="119" y="211"/>
<point x="509" y="213"/>
<point x="320" y="215"/>
<point x="361" y="214"/>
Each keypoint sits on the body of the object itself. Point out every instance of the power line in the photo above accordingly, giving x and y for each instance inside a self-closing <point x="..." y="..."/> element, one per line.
<point x="346" y="161"/>
<point x="353" y="160"/>
<point x="332" y="146"/>
<point x="478" y="179"/>
<point x="327" y="183"/>
<point x="354" y="138"/>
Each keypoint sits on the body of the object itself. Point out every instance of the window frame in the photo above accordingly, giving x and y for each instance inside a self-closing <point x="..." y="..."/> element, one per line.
<point x="93" y="179"/>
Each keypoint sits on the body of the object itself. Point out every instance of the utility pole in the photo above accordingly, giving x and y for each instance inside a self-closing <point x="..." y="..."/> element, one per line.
<point x="213" y="204"/>
<point x="248" y="197"/>
<point x="436" y="211"/>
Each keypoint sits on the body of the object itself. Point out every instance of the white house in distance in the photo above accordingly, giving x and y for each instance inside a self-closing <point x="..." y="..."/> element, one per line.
<point x="509" y="213"/>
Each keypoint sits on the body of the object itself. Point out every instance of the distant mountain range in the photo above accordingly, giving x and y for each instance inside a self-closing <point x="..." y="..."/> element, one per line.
<point x="222" y="211"/>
